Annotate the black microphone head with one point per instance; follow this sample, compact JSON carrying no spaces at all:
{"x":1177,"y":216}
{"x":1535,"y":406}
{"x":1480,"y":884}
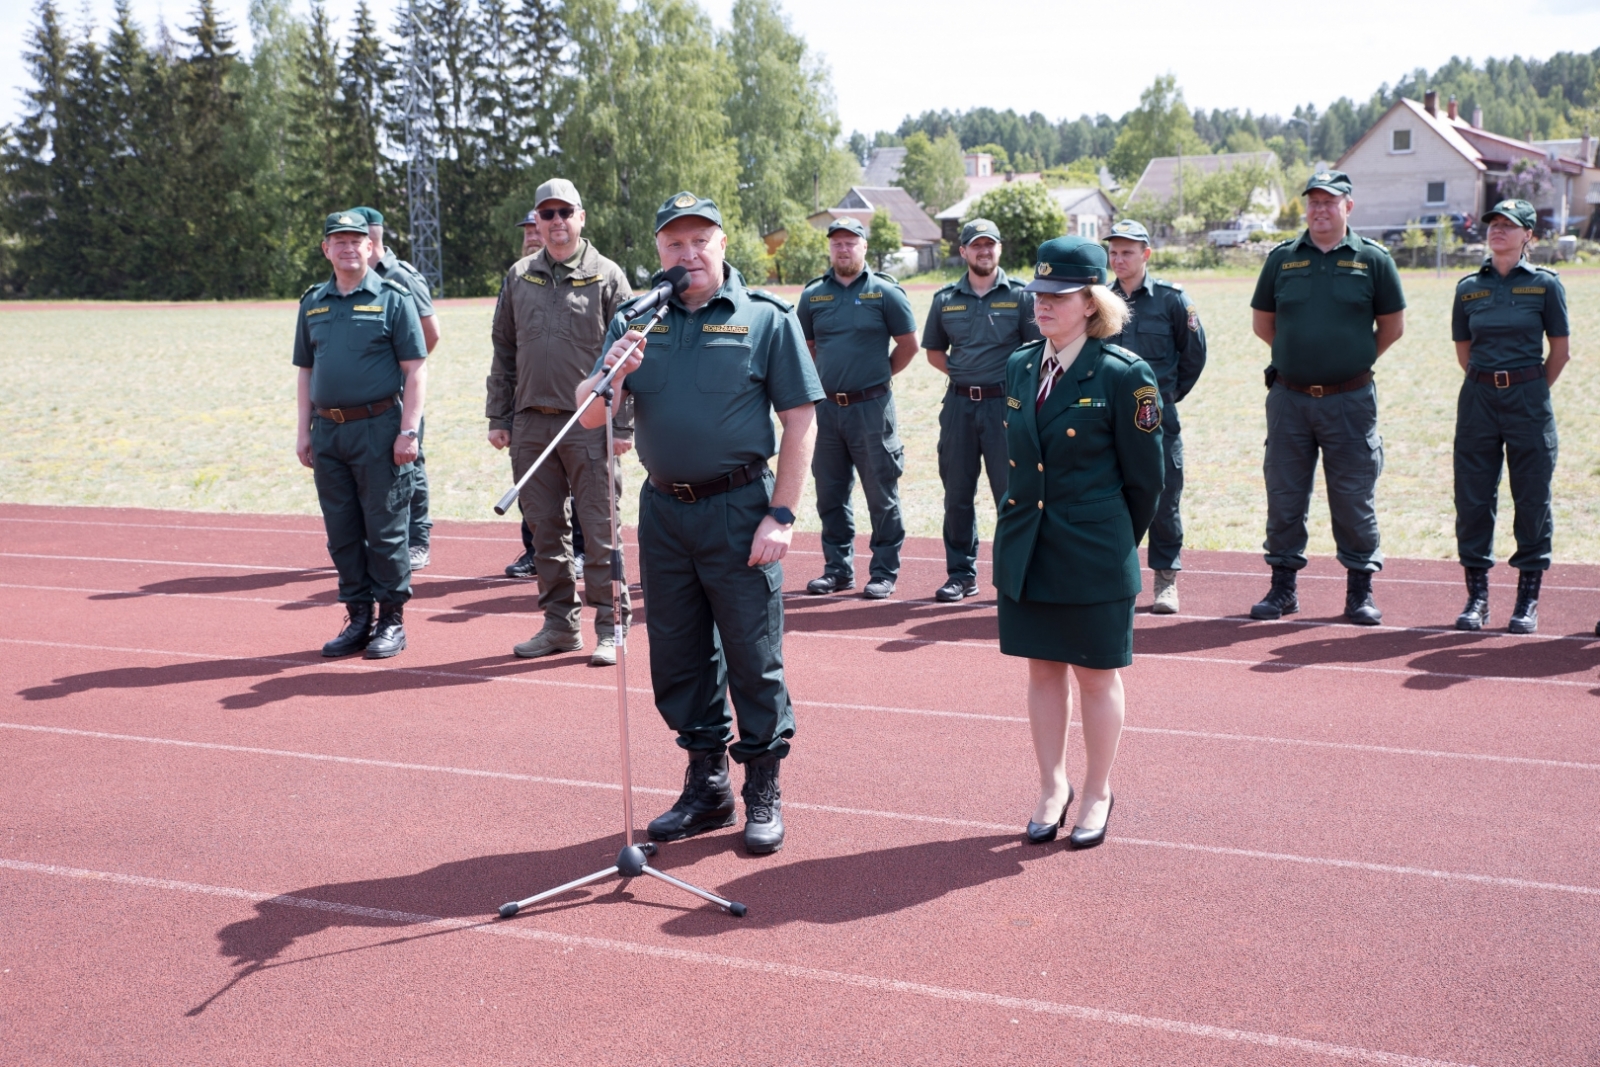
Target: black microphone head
{"x":678,"y":278}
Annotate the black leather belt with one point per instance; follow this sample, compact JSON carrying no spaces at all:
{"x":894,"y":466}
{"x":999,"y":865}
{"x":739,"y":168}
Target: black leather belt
{"x":844,"y":400}
{"x":360,"y":411}
{"x":732,"y":480}
{"x":979,"y":392}
{"x":1505,"y":379}
{"x":1360,"y":381}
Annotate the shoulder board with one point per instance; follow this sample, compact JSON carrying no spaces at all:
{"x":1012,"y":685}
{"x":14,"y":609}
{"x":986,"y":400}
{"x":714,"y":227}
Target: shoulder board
{"x":1539,"y":269}
{"x":771,"y":298}
{"x":1466,"y":278}
{"x":399,"y":287}
{"x":1028,"y":348}
{"x":1121,"y":353}
{"x":886,"y":276}
{"x":811,"y":282}
{"x":950,"y":287}
{"x":1167,"y":285}
{"x":628,"y":303}
{"x":1376,"y":245}
{"x":310,"y":287}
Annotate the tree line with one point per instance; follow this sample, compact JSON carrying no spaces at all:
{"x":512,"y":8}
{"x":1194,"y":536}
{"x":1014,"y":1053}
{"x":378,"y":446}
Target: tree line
{"x":165,"y":164}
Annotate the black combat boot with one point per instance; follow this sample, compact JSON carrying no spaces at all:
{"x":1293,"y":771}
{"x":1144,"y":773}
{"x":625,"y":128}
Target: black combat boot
{"x":389,"y":637}
{"x":1280,"y":599}
{"x":1525,"y":617}
{"x":1358,"y":605}
{"x":763,"y":805}
{"x":1475,"y":616}
{"x":706,"y":802}
{"x":356,"y":633}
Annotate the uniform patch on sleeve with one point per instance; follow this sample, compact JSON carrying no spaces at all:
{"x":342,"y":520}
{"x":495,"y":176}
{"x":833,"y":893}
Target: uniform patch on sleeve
{"x":318,"y":311}
{"x":1528,"y":290}
{"x":1296,"y":264}
{"x":1147,"y":413}
{"x":367,"y":307}
{"x":1194,"y":319}
{"x":714,"y":328}
{"x":1478,"y":294}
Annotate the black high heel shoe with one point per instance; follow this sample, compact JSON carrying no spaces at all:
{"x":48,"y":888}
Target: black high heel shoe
{"x":1081,"y":838}
{"x":1040,"y":833}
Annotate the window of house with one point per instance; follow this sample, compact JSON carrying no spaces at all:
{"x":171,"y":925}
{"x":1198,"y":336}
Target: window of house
{"x":1435,"y":193}
{"x":1089,"y":227}
{"x":1400,"y":141}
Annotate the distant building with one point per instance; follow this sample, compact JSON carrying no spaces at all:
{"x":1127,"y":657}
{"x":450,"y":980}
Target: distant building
{"x":1089,"y":211}
{"x":883,"y":167}
{"x":919,"y":234}
{"x":1159,"y":185}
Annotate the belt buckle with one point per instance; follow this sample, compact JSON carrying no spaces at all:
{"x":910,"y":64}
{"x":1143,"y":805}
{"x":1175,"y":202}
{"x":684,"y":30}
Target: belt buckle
{"x":842,"y":399}
{"x":974,"y":392}
{"x":679,"y":489}
{"x":1502,"y":379}
{"x":1316,"y":391}
{"x":336,"y":414}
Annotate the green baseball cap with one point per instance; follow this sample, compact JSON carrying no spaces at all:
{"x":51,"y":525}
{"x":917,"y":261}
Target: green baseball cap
{"x":683,"y":205}
{"x":848,"y":224}
{"x":1129,"y":230}
{"x":345,"y":222}
{"x":1518,"y":211}
{"x":979,"y":228}
{"x":373,"y":216}
{"x":557,"y":189}
{"x":1067,"y":264}
{"x":1332,"y":181}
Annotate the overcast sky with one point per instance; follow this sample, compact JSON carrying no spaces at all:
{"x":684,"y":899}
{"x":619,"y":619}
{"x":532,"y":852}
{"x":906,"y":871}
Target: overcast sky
{"x":1061,"y":58}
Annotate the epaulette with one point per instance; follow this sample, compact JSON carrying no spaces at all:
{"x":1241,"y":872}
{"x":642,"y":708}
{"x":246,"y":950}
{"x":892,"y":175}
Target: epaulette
{"x":947,"y":287}
{"x":1121,"y":353}
{"x":399,"y":287}
{"x":1469,"y":277}
{"x":886,"y":276}
{"x":1285,"y":243}
{"x":310,"y":287}
{"x":809,"y":284}
{"x":771,"y":298}
{"x":1166,"y":284}
{"x":1023,"y":348}
{"x":1540,"y":268}
{"x":1379,"y":245}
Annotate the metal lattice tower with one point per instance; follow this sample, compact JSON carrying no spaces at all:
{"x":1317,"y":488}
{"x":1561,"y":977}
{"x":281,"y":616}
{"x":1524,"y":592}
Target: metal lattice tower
{"x":422,"y":173}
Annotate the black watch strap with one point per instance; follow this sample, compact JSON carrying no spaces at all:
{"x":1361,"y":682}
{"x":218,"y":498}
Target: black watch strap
{"x":784,"y":516}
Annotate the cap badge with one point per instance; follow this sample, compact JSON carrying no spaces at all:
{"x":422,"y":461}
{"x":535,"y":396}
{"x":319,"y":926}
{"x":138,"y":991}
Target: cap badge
{"x":1043,"y":269}
{"x":686,"y":200}
{"x":1324,"y":176}
{"x":346,"y":220}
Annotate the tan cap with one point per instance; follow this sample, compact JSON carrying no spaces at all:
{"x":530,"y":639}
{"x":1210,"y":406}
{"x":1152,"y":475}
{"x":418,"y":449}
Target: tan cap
{"x":558,"y":189}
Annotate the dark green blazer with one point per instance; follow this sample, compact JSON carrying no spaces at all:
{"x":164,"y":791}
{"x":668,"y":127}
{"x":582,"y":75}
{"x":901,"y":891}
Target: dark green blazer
{"x":1085,"y":474}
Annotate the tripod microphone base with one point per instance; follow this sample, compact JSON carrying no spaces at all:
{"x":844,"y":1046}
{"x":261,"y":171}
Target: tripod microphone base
{"x":631,"y":863}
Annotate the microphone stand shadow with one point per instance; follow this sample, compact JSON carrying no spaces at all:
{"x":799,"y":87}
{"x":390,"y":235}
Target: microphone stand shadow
{"x":633,"y":860}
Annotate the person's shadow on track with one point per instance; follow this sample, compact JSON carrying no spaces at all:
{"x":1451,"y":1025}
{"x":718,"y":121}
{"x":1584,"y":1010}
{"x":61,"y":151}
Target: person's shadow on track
{"x":1446,"y":659}
{"x":222,"y":583}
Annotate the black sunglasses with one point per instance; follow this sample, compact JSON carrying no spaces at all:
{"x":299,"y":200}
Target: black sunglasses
{"x":548,"y":213}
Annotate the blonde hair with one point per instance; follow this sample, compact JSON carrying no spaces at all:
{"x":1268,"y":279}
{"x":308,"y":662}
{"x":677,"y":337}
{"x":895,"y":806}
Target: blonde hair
{"x":1111,"y":313}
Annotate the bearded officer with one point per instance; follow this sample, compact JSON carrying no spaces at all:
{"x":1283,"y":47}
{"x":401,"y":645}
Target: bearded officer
{"x":850,"y":317}
{"x":1165,"y":332}
{"x":714,"y":521}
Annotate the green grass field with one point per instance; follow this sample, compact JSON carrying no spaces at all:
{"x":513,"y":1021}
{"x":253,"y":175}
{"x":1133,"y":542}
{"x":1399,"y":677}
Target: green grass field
{"x":190,"y":407}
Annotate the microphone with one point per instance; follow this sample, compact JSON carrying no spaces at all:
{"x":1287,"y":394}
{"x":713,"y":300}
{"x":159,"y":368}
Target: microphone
{"x":673,"y":283}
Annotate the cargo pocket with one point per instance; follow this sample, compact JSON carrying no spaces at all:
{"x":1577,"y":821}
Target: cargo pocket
{"x":1375,"y":445}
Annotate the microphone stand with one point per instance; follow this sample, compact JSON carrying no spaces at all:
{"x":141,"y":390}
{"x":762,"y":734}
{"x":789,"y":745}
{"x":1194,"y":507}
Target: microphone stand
{"x":632,"y":861}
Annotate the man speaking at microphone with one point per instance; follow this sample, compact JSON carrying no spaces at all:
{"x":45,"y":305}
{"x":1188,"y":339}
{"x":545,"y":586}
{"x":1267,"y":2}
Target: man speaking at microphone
{"x":714,"y":520}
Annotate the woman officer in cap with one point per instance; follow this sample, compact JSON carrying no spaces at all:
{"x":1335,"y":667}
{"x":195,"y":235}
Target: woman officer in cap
{"x":1083,"y":433}
{"x":1501,"y":317}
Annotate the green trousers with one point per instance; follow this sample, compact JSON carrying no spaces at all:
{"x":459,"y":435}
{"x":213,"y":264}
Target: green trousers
{"x":366,"y":506}
{"x":715,"y":622}
{"x":1513,"y":429}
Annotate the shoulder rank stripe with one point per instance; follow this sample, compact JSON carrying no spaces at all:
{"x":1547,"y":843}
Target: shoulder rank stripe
{"x":1295,"y":264}
{"x":1476,"y":294}
{"x":872,"y":296}
{"x":1529,"y":290}
{"x":954,"y":307}
{"x":1004,"y":304}
{"x":367,"y":307}
{"x":822,"y":298}
{"x":318,"y":311}
{"x":1356,"y":263}
{"x":534,"y":278}
{"x":713,"y":328}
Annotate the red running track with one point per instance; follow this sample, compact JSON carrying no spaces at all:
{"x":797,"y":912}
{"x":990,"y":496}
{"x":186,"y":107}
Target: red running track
{"x":1332,"y":844}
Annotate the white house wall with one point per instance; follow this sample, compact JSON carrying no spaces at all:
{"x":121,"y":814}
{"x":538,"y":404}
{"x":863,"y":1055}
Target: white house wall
{"x":1391,"y":188}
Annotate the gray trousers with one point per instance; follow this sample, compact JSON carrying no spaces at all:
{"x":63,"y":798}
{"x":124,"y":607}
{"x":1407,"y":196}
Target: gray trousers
{"x":971,"y":432}
{"x":859,"y":437}
{"x":578,"y":469}
{"x":365,"y":506}
{"x":1344,"y":428}
{"x":1519,"y":425}
{"x":421,"y":527}
{"x":1166,"y":529}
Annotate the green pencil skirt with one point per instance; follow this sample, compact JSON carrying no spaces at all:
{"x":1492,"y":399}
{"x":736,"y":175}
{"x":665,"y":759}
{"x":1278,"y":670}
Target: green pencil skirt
{"x":1097,"y":636}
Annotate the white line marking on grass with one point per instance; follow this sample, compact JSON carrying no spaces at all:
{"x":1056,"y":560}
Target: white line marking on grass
{"x":831,"y":809}
{"x":873,"y":983}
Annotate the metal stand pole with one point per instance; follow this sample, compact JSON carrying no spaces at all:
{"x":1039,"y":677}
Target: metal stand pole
{"x":632,"y":860}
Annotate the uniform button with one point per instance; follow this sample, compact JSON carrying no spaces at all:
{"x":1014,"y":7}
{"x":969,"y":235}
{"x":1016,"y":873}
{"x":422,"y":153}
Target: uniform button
{"x":1013,"y":463}
{"x":1071,"y":432}
{"x":1010,"y":501}
{"x":1041,"y":505}
{"x":1041,"y":466}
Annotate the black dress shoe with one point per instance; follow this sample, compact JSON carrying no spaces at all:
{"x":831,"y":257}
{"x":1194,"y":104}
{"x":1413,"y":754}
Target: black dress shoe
{"x":878,"y":589}
{"x":1040,"y":833}
{"x":956,"y":589}
{"x":705,"y":804}
{"x":763,"y":806}
{"x":1081,"y":838}
{"x":389,"y":636}
{"x":828,"y":583}
{"x":356,"y":633}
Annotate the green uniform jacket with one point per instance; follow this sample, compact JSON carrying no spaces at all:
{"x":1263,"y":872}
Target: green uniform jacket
{"x":1085,"y":476}
{"x":1507,"y":319}
{"x":979,"y":333}
{"x":853,"y":327}
{"x":354,"y":344}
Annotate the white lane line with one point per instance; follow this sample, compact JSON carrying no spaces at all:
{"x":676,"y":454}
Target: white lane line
{"x":737,"y":963}
{"x":831,"y":809}
{"x":289,"y":661}
{"x":166,"y":562}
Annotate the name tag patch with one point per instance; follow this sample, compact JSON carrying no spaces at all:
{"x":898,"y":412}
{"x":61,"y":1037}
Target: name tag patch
{"x":822,"y":298}
{"x":1004,"y":304}
{"x":367,"y":307}
{"x":534,"y":278}
{"x":318,"y":311}
{"x":1529,"y":290}
{"x":872,"y":296}
{"x":1478,"y":294}
{"x":1353,"y":263}
{"x":710,"y":328}
{"x":954,"y":307}
{"x":659,"y":327}
{"x":579,"y":283}
{"x":1296,"y":264}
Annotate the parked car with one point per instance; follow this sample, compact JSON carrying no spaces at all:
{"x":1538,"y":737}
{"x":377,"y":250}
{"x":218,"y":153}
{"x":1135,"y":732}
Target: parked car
{"x":1463,"y":226}
{"x":1227,"y":238}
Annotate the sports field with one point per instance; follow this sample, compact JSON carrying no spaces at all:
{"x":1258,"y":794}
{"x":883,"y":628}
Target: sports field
{"x":190,"y":407}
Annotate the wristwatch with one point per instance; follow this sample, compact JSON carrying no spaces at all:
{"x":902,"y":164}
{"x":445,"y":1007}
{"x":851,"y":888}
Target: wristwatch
{"x":409,"y":433}
{"x":784,"y":516}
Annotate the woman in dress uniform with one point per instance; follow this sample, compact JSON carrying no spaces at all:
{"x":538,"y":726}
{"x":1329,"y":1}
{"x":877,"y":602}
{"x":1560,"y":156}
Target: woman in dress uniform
{"x":1083,"y":433}
{"x":1501,"y":316}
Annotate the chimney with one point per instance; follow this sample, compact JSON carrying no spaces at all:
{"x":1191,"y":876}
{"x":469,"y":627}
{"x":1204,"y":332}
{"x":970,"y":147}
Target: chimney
{"x":1586,"y":152}
{"x":1454,"y":112}
{"x":1430,"y":101}
{"x":1529,"y":138}
{"x":1477,"y":118}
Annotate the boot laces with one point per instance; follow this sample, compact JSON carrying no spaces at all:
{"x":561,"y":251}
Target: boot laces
{"x":761,"y":793}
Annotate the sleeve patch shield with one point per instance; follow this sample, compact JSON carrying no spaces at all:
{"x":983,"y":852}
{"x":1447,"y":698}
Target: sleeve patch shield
{"x":1147,"y":412}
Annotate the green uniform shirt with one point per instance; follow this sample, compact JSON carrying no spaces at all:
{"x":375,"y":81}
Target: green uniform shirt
{"x":1507,"y":319}
{"x":392,"y":266}
{"x":355,"y":344}
{"x":979,"y":333}
{"x":710,"y":380}
{"x":1165,"y":332}
{"x":1327,"y":304}
{"x":853,"y":326}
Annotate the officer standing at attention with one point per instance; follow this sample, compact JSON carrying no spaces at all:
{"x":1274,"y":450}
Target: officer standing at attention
{"x":1502,"y":314}
{"x":850,"y":316}
{"x":1329,"y":303}
{"x":548,"y":325}
{"x":714,"y":522}
{"x":973,"y":327}
{"x":1165,"y":332}
{"x":359,"y":346}
{"x":390,"y":266}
